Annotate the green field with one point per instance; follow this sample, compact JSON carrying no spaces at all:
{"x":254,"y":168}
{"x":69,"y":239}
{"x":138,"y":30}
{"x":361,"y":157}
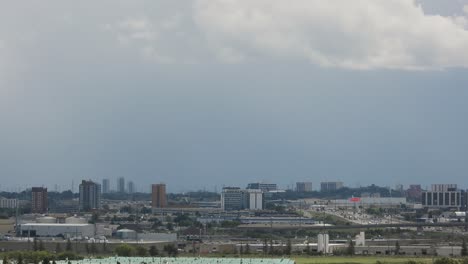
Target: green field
{"x":358,"y":260}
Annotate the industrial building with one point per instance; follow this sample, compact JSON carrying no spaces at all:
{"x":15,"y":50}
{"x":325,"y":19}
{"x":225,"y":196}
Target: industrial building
{"x":56,"y":230}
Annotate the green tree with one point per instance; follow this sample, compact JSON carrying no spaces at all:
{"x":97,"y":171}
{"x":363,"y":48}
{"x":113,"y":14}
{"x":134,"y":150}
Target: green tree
{"x":288,"y":247}
{"x":141,"y":251}
{"x":153,"y":251}
{"x":58,"y":248}
{"x":171,"y":250}
{"x":265,"y":246}
{"x":35,"y":246}
{"x":41,"y":245}
{"x":104,"y":247}
{"x":271,"y":251}
{"x":5,"y":259}
{"x":464,"y":250}
{"x":69,"y":245}
{"x":308,"y":251}
{"x":247,"y":249}
{"x":125,"y":250}
{"x":19,"y":260}
{"x":94,"y":249}
{"x":46,"y":261}
{"x":350,"y":249}
{"x":397,"y":248}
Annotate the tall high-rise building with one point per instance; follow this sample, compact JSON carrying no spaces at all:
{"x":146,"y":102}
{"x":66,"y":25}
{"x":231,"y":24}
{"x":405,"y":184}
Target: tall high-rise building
{"x":90,"y":196}
{"x":105,"y":186}
{"x":158,"y":196}
{"x":121,"y":185}
{"x":39,"y":203}
{"x":303,"y":186}
{"x":330,"y":186}
{"x":130,"y":187}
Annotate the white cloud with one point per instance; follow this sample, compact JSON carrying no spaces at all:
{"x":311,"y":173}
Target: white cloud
{"x":465,"y":9}
{"x":360,"y":34}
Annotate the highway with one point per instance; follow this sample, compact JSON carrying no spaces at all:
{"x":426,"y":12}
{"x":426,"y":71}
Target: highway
{"x":353,"y":226}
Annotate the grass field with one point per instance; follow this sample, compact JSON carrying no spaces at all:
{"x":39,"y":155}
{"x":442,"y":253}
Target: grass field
{"x":358,"y":260}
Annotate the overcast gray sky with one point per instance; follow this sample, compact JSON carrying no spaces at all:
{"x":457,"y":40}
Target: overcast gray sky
{"x":205,"y":93}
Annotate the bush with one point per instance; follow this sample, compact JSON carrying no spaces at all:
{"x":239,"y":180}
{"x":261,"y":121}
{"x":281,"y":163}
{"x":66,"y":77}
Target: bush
{"x":141,"y":251}
{"x":69,"y":255}
{"x":125,"y":250}
{"x":445,"y":261}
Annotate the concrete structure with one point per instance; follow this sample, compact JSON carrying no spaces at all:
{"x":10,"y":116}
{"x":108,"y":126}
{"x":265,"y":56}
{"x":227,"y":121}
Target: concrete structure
{"x":303,"y":186}
{"x":90,"y":196}
{"x":39,"y":200}
{"x":54,"y":230}
{"x":361,"y":239}
{"x":254,"y":199}
{"x":330,"y":186}
{"x":323,"y":243}
{"x":105,"y":186}
{"x":130,"y":187}
{"x":158,"y":196}
{"x":8,"y":203}
{"x":265,"y":187}
{"x":121,"y":185}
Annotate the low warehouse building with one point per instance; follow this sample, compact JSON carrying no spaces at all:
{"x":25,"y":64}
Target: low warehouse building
{"x":55,"y":230}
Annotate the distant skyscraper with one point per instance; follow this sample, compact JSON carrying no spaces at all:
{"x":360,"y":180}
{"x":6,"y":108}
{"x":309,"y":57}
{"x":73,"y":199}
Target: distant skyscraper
{"x":303,"y":186}
{"x":39,"y":203}
{"x":90,"y":196}
{"x":121,"y":185}
{"x":158,"y":195}
{"x":105,"y":186}
{"x":330,"y":186}
{"x":130,"y":187}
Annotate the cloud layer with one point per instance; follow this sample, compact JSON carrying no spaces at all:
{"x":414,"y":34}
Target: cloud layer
{"x":362,"y":34}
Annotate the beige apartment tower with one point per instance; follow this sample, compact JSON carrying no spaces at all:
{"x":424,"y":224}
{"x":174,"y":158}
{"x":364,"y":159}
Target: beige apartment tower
{"x":158,"y":196}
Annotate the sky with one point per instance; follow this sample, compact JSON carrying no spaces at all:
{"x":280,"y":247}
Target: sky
{"x":201,"y":94}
